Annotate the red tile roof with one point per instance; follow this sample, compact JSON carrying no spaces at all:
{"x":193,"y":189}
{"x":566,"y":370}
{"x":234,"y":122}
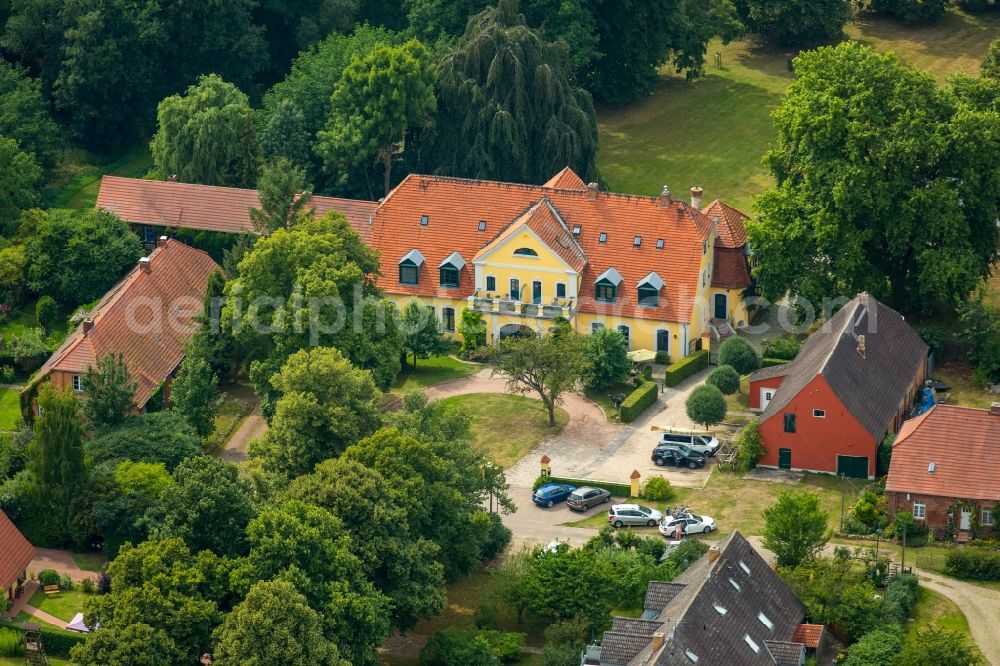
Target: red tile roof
{"x":808,"y":634}
{"x":205,"y":207}
{"x":732,"y":228}
{"x":148,"y":317}
{"x":543,"y":220}
{"x":454,"y":207}
{"x":566,"y":180}
{"x":16,"y":552}
{"x":731,"y":270}
{"x":964,"y":445}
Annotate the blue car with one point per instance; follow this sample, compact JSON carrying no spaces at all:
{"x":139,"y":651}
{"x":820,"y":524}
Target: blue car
{"x":551,"y":493}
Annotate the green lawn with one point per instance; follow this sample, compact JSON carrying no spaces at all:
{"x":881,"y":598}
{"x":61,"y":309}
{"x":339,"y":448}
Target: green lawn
{"x":714,"y":131}
{"x":737,"y":503}
{"x":965,"y":390}
{"x":240,"y":401}
{"x":600,"y":396}
{"x":89,"y":561}
{"x":75,"y":181}
{"x":64,"y":605}
{"x":10,"y":408}
{"x":505,"y":427}
{"x":26,"y":321}
{"x":934,"y":610}
{"x":433,"y":370}
{"x":19,"y":661}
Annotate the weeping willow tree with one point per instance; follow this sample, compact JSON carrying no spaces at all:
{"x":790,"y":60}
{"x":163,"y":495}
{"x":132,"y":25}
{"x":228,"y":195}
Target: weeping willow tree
{"x":507,"y":109}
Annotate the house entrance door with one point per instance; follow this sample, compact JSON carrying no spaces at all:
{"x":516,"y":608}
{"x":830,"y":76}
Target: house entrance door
{"x":965,"y":522}
{"x":765,"y":397}
{"x":720,"y":306}
{"x":784,"y":458}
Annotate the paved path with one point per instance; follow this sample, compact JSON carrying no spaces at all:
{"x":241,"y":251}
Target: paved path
{"x":43,"y":616}
{"x":251,"y":427}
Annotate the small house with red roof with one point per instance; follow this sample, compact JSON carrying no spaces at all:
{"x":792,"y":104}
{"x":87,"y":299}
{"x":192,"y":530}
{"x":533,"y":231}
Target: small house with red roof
{"x":148,"y":317}
{"x":945,"y":468}
{"x":16,"y":554}
{"x":670,"y":276}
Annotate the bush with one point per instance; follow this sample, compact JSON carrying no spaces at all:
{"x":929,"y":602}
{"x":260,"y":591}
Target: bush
{"x":7,"y":375}
{"x":564,"y":641}
{"x":87,"y":585}
{"x":47,"y":312}
{"x":496,"y":540}
{"x":486,"y":617}
{"x":662,"y":358}
{"x":749,"y":447}
{"x":786,"y":347}
{"x":706,"y":405}
{"x":685,"y":367}
{"x":28,"y":350}
{"x":48,"y":577}
{"x":637,"y":401}
{"x":900,"y":598}
{"x":616,"y":489}
{"x":57,"y":642}
{"x":11,"y":642}
{"x":657,"y":489}
{"x":912,"y":11}
{"x":973,"y":564}
{"x":725,"y":378}
{"x":608,"y":353}
{"x":739,"y":353}
{"x":875,"y":647}
{"x":463,"y":647}
{"x":65,"y":582}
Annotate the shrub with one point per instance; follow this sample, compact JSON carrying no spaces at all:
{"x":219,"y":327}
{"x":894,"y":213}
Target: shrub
{"x":770,"y":362}
{"x":564,"y":641}
{"x":875,"y":647}
{"x":616,"y":489}
{"x":47,"y":312}
{"x":739,"y":353}
{"x":973,"y":563}
{"x":65,"y":582}
{"x":87,"y":585}
{"x":57,"y":642}
{"x":48,"y":577}
{"x":647,"y":373}
{"x":608,"y":352}
{"x":706,"y":405}
{"x":28,"y":350}
{"x":11,"y":644}
{"x":900,"y":598}
{"x":497,"y":538}
{"x":685,"y":367}
{"x":637,"y":401}
{"x":7,"y":375}
{"x":662,"y":358}
{"x":486,"y":617}
{"x":938,"y":647}
{"x":749,"y":447}
{"x":912,"y":11}
{"x":786,"y":347}
{"x":657,"y":489}
{"x":461,"y":647}
{"x":726,"y":379}
{"x":103,"y":583}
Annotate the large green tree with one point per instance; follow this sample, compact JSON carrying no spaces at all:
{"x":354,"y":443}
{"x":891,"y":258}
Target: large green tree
{"x":294,"y":25}
{"x":547,"y":366}
{"x":24,"y":114}
{"x":608,"y":351}
{"x":507,"y":107}
{"x":796,"y":22}
{"x":207,"y":136}
{"x":76,"y":256}
{"x":20,"y":176}
{"x":324,"y":404}
{"x":306,"y":286}
{"x":208,"y":506}
{"x":795,"y":528}
{"x":422,"y":332}
{"x":885,"y":183}
{"x":706,"y":405}
{"x":109,"y":391}
{"x":274,"y":626}
{"x":56,"y":461}
{"x":157,"y":437}
{"x":195,"y":394}
{"x":990,"y":64}
{"x":378,"y":102}
{"x":283,"y":196}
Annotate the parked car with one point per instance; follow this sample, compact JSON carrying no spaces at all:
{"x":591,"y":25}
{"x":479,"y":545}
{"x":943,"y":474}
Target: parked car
{"x":693,"y":524}
{"x":679,"y":456}
{"x":703,"y":444}
{"x":585,"y":497}
{"x":552,"y":493}
{"x":621,"y":515}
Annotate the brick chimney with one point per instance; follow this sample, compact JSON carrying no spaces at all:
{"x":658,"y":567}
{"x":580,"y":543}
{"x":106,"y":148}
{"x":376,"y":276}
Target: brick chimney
{"x":696,"y":197}
{"x":665,"y":197}
{"x":713,"y":554}
{"x":995,"y":409}
{"x":658,"y":638}
{"x":592,"y":191}
{"x":146,"y":264}
{"x":162,"y":241}
{"x":88,"y":325}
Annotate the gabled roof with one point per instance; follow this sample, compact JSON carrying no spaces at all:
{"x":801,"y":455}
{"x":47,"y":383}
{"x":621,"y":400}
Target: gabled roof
{"x":732,"y":227}
{"x":933,"y":437}
{"x":809,"y":635}
{"x":455,"y":206}
{"x":566,"y":180}
{"x":771,"y":371}
{"x":413,"y":256}
{"x":206,"y":207}
{"x":731,"y":269}
{"x":148,"y":317}
{"x":543,"y":220}
{"x":785,"y":653}
{"x":871,"y":386}
{"x":618,"y":649}
{"x":16,"y":552}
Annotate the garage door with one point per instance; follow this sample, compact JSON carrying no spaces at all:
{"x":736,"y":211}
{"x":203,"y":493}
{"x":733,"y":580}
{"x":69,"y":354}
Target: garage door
{"x":855,"y":467}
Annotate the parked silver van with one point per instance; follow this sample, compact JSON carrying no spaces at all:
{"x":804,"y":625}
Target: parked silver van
{"x":705,"y":444}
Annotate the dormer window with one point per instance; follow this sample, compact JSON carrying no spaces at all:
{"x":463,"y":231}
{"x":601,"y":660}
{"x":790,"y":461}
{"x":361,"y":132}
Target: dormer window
{"x":649,"y":290}
{"x":450,"y":269}
{"x":525,"y":252}
{"x":424,"y":220}
{"x":602,"y":237}
{"x":409,"y":267}
{"x":606,"y":286}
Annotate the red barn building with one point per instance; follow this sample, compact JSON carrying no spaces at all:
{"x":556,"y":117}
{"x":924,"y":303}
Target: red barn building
{"x":852,"y":383}
{"x":931,"y":479}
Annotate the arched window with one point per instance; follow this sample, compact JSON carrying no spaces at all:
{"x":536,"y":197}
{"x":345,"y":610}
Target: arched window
{"x":525,"y":252}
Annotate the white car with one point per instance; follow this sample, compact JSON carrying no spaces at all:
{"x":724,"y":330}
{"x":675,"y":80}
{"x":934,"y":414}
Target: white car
{"x":703,"y":444}
{"x":622,"y":515}
{"x":693,"y":524}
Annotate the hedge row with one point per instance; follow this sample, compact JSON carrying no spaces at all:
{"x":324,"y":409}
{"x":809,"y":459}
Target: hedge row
{"x":973,"y":563}
{"x":685,"y":367}
{"x":617,"y":489}
{"x":768,"y":362}
{"x":57,"y":642}
{"x":637,"y":401}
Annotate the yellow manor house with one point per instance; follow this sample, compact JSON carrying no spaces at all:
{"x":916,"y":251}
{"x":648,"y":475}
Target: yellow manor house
{"x":669,"y":274}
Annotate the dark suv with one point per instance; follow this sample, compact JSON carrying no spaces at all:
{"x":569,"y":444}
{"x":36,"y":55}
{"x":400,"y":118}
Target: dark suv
{"x":679,"y":456}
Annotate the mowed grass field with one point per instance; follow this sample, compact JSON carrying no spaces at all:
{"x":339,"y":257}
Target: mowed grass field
{"x":714,"y":131}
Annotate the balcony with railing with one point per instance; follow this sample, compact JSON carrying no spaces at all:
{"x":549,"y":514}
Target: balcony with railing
{"x":496,"y":303}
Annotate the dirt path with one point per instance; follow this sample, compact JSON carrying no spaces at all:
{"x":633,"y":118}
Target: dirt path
{"x":253,"y":425}
{"x":981,"y":606}
{"x":61,"y":562}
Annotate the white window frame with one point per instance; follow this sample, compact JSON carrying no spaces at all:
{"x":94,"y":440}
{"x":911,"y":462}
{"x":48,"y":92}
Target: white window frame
{"x":920,"y":514}
{"x":819,"y":413}
{"x":78,"y":383}
{"x":746,"y":569}
{"x":692,"y":656}
{"x":985,"y":517}
{"x":721,"y":610}
{"x":749,"y":641}
{"x":765,"y":620}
